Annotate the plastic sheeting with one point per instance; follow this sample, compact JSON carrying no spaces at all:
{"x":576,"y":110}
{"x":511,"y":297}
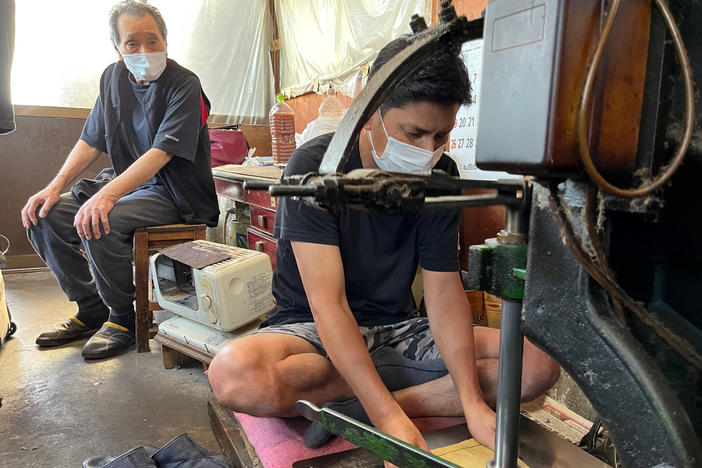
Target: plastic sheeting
{"x":227,"y":44}
{"x":328,"y":42}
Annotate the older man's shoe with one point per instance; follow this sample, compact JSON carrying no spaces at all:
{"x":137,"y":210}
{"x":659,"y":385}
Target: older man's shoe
{"x":68,"y":331}
{"x":110,"y":340}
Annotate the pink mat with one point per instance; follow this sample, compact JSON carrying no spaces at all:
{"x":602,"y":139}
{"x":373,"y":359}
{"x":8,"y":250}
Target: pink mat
{"x":278,"y":441}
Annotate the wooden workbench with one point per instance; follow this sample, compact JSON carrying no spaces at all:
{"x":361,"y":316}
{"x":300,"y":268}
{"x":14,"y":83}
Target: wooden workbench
{"x":229,"y":182}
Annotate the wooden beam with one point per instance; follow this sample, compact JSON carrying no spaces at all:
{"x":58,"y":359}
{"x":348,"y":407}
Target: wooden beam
{"x":52,"y":111}
{"x":275,"y":48}
{"x":231,"y":437}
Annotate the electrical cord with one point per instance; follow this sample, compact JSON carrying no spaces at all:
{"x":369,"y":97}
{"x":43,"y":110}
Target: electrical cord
{"x":7,"y":241}
{"x":3,"y":260}
{"x":600,"y":271}
{"x":600,"y":257}
{"x":689,"y":119}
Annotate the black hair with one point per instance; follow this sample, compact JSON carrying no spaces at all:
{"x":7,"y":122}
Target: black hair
{"x":443,"y":79}
{"x":133,"y":8}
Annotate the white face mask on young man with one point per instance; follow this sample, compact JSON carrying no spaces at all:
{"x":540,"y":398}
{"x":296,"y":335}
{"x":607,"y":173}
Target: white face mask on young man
{"x":403,"y":157}
{"x":146,"y":67}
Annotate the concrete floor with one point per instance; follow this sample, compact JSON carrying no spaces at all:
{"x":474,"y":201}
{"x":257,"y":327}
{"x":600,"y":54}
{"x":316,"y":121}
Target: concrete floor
{"x":58,"y":409}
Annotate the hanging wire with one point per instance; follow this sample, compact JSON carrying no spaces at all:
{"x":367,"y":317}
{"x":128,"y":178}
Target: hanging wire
{"x":600,"y":258}
{"x":581,"y":122}
{"x":4,"y":251}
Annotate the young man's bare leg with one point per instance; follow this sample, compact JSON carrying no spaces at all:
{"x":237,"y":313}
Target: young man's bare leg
{"x":539,"y":371}
{"x":432,"y":393}
{"x":422,"y":389}
{"x":266,"y":373}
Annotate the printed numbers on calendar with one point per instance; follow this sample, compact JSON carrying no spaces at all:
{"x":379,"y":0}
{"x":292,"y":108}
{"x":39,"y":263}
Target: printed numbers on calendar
{"x":463,"y":122}
{"x":460,"y":143}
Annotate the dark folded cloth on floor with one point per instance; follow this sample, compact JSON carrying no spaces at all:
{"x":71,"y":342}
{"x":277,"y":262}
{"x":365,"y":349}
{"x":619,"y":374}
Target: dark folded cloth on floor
{"x":181,"y":452}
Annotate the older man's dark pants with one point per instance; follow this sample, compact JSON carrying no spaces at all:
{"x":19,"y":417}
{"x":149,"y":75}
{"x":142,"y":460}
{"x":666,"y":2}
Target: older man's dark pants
{"x":105,"y":270}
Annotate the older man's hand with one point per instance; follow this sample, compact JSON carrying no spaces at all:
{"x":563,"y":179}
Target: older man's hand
{"x":92,"y":214}
{"x":46,"y":198}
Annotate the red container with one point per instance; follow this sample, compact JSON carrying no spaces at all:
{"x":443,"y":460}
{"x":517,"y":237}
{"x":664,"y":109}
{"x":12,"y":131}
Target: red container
{"x":228,"y":146}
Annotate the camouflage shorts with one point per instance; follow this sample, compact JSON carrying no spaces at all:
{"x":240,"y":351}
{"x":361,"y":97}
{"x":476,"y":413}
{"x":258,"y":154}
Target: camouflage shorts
{"x":412,"y":337}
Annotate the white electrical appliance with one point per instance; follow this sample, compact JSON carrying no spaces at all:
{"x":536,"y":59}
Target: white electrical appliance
{"x":224,"y":295}
{"x":196,"y":335}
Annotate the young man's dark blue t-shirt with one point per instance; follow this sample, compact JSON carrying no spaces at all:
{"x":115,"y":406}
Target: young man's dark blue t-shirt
{"x":380,"y":252}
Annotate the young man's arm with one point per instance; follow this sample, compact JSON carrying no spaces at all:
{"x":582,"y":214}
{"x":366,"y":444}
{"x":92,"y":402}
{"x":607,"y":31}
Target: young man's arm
{"x":81,"y":156}
{"x":451,"y":324}
{"x":95,"y":210}
{"x":322,"y":274}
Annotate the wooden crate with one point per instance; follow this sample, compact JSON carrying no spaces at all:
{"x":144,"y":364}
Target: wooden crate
{"x":485,"y":308}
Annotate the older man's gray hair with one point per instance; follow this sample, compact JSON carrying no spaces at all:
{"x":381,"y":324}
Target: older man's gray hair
{"x":137,"y":9}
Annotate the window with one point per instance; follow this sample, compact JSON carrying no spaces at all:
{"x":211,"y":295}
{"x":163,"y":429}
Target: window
{"x":61,"y":49}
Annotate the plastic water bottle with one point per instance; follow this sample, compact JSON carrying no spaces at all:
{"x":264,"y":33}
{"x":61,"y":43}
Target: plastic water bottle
{"x":331,"y":111}
{"x":282,"y":121}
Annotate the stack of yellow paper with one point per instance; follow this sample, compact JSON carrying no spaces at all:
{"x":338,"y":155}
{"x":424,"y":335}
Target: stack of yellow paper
{"x":469,"y":454}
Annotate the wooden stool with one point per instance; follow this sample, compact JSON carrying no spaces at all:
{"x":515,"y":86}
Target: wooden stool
{"x":146,"y":239}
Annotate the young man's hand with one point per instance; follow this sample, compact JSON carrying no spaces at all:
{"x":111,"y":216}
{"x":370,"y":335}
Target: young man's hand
{"x":482,"y":421}
{"x":400,"y":426}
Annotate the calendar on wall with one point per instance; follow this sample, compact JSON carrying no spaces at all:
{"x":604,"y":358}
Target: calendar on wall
{"x":463,"y":137}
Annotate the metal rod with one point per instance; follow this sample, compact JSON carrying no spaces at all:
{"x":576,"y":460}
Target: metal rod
{"x":509,"y":378}
{"x":516,"y":219}
{"x":466,"y":201}
{"x":501,"y":184}
{"x":292,"y":190}
{"x":256,"y":185}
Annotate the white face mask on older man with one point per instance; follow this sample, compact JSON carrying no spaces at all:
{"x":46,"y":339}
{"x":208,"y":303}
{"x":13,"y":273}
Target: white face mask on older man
{"x":146,"y":67}
{"x":402,"y":157}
